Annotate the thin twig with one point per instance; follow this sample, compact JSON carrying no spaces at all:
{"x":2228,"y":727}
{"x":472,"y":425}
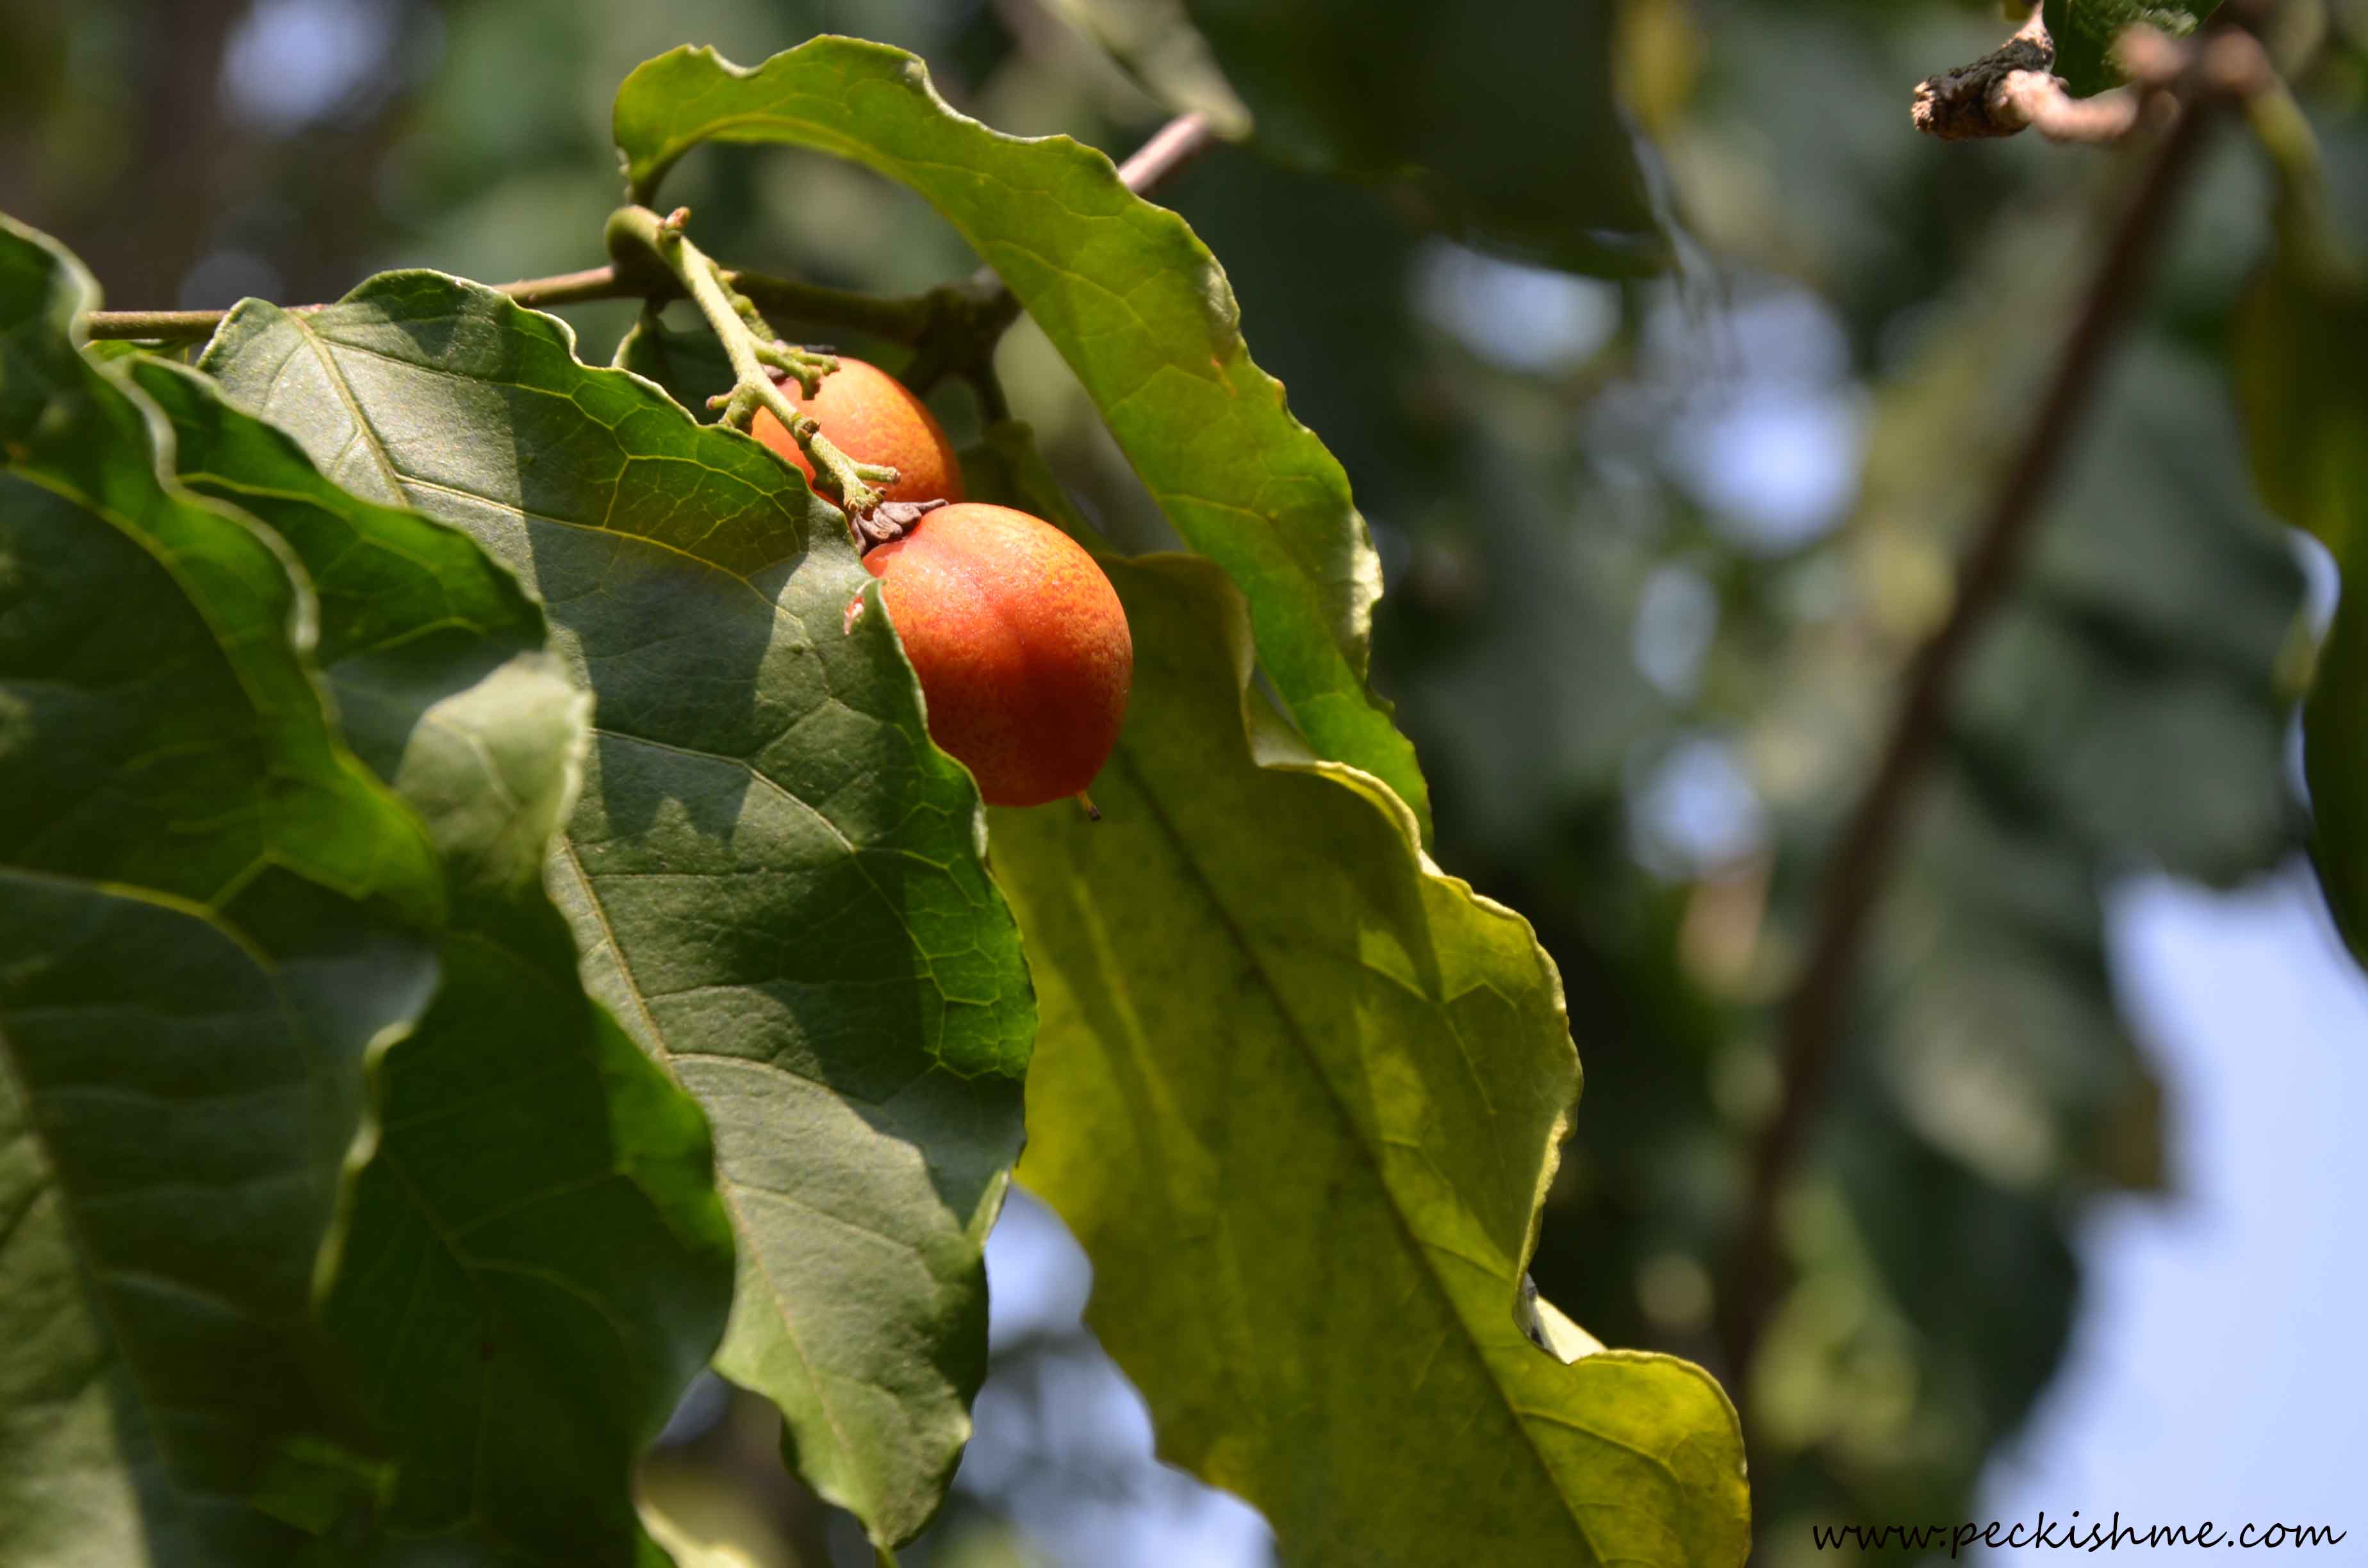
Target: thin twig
{"x":1860,"y":869}
{"x":638,"y":238}
{"x":156,"y":326}
{"x":1172,"y":146}
{"x":2014,"y":89}
{"x":902,"y":318}
{"x":563,"y":288}
{"x":567,"y":288}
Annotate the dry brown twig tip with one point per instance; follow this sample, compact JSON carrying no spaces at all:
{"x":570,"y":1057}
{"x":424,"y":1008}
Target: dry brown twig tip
{"x":2014,"y":89}
{"x":1964,"y":105}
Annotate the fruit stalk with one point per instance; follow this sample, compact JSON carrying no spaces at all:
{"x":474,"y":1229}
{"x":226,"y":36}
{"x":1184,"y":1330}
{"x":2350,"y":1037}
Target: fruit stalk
{"x":754,"y":352}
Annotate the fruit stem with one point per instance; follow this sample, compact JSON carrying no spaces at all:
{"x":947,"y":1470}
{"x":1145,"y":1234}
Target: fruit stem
{"x":636,"y":233}
{"x":972,"y":315}
{"x":890,"y":522}
{"x":1093,"y":811}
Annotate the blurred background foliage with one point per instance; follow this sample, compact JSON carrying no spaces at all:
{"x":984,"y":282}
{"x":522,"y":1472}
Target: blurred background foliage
{"x":1669,"y":412}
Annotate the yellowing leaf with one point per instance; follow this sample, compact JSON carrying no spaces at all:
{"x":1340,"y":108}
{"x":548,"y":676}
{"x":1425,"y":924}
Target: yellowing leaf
{"x":1298,"y":1094}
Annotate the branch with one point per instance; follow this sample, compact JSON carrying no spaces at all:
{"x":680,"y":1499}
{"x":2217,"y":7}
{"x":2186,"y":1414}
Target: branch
{"x":563,"y":288}
{"x":2014,"y":89}
{"x":642,"y":242}
{"x":899,"y":318}
{"x":1955,"y":104}
{"x":1171,"y":147}
{"x":902,"y":318}
{"x":1855,"y":877}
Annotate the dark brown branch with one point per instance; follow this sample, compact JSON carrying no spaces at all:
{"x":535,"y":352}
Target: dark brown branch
{"x":1860,"y":869}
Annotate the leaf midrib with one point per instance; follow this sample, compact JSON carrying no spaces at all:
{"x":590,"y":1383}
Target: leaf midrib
{"x":1428,"y":1270}
{"x":727,"y":1188}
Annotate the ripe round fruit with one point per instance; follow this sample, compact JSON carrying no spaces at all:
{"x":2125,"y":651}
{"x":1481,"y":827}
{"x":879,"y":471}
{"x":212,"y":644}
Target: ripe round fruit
{"x":1020,"y":644}
{"x":873,"y":418}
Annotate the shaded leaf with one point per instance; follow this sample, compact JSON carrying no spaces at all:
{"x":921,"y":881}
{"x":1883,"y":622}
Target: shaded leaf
{"x":1138,"y":308}
{"x":2085,"y":32}
{"x":1298,"y":1094}
{"x":538,"y":1263}
{"x":691,"y":366}
{"x":776,"y":878}
{"x":211,"y":913}
{"x":1496,"y":123}
{"x":2300,"y":340}
{"x":2335,"y":763}
{"x":2301,"y":336}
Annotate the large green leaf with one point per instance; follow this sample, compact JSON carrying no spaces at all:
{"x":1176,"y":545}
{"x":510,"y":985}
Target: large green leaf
{"x":777,"y":878}
{"x":2300,"y":340}
{"x":1299,"y":1095}
{"x":211,"y":913}
{"x":538,"y":1263}
{"x":413,"y":615}
{"x":2335,"y":763}
{"x":1139,"y":309}
{"x":2085,"y":32}
{"x":1497,"y":122}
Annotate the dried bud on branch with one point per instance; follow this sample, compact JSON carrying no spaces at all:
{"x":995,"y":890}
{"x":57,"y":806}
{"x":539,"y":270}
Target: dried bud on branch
{"x":1984,"y":98}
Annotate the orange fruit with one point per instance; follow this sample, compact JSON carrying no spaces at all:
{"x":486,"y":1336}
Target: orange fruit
{"x":1020,"y":644}
{"x":873,"y":418}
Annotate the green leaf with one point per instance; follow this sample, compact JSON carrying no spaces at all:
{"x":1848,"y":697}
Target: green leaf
{"x":1495,"y":122}
{"x":2301,"y":336}
{"x":2085,"y":32}
{"x":412,"y":615}
{"x":777,"y":878}
{"x":210,"y":913}
{"x":2335,"y":765}
{"x":1138,"y":308}
{"x":1299,"y":1095}
{"x":538,"y":1261}
{"x":692,"y":367}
